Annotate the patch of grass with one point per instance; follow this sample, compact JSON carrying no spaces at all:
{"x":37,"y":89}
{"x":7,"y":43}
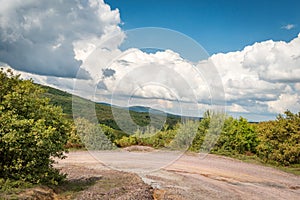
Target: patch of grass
{"x":69,"y":189}
{"x":12,"y":186}
{"x":9,"y":189}
{"x":293,"y":169}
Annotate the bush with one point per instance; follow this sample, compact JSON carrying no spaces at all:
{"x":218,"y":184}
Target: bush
{"x":93,"y":136}
{"x":74,"y":140}
{"x":127,"y":141}
{"x":222,"y":134}
{"x":237,"y":137}
{"x":280,"y":139}
{"x":32,"y":132}
{"x":184,"y":135}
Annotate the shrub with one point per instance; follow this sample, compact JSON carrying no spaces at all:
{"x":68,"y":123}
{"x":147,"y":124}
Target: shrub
{"x":184,"y":135}
{"x":93,"y":136}
{"x":32,"y":131}
{"x":280,"y":139}
{"x":222,"y":134}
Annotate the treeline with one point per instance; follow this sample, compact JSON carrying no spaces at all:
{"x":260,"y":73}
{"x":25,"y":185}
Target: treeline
{"x":276,"y":141}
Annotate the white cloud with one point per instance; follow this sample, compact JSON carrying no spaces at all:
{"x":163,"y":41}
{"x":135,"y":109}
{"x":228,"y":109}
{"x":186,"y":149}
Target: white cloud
{"x":151,"y":77}
{"x":288,"y":26}
{"x":284,"y":102}
{"x":236,"y":108}
{"x":160,"y":75}
{"x":56,"y":38}
{"x":262,"y":76}
{"x":39,"y":36}
{"x":275,"y":61}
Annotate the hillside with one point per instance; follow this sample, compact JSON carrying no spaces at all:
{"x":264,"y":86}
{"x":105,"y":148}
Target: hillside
{"x":139,"y":114}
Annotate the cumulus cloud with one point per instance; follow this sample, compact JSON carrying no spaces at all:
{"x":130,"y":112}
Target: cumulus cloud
{"x":160,"y":75}
{"x":284,"y":102}
{"x":53,"y":37}
{"x":275,"y":61}
{"x":78,"y":42}
{"x":262,"y":78}
{"x":288,"y":26}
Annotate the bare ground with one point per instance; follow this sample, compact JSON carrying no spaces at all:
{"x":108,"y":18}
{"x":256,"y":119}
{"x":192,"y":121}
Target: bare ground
{"x":190,"y":177}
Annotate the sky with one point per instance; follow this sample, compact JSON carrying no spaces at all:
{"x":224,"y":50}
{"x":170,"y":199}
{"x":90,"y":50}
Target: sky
{"x":218,"y":25}
{"x":242,"y":57}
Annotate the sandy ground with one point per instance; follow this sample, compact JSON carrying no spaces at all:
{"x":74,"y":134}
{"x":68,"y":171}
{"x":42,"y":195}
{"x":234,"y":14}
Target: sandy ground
{"x":189,"y":176}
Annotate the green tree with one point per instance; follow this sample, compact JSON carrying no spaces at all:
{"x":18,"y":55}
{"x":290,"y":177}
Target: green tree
{"x":32,"y":132}
{"x":94,"y":136}
{"x":222,"y":134}
{"x":238,"y":136}
{"x":184,"y":135}
{"x":280,"y":139}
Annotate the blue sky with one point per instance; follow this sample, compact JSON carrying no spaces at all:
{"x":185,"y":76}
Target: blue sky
{"x":219,"y":26}
{"x":254,"y":47}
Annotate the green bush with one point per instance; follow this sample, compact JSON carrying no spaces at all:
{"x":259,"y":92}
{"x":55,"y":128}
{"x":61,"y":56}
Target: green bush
{"x":93,"y":136}
{"x":184,"y":135}
{"x":148,"y":137}
{"x":280,"y":139}
{"x":209,"y":130}
{"x":126,"y":141}
{"x":237,"y":137}
{"x":222,"y":134}
{"x":32,"y":132}
{"x":74,"y":140}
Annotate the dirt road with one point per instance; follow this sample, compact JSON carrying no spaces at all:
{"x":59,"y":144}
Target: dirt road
{"x":192,"y":176}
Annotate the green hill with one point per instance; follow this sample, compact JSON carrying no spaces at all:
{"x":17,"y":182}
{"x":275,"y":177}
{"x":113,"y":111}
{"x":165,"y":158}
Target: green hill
{"x":104,"y":110}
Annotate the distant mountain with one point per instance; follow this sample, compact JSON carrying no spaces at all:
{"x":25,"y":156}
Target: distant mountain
{"x":139,"y":108}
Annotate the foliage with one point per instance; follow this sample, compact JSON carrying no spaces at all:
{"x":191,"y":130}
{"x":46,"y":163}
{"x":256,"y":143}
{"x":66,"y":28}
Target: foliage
{"x":8,"y":185}
{"x":222,"y":134}
{"x":126,"y":141}
{"x":74,"y":140}
{"x":103,"y":111}
{"x":238,"y":136}
{"x":280,"y":139}
{"x":92,"y":135}
{"x":149,"y":137}
{"x":32,"y":131}
{"x":184,"y":135}
{"x":273,"y":141}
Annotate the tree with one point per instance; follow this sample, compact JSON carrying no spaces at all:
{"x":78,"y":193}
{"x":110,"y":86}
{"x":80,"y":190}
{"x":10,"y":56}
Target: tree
{"x":94,"y":136}
{"x":280,"y":139}
{"x":32,"y":132}
{"x":184,"y":136}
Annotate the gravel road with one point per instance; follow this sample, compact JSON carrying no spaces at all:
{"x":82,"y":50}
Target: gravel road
{"x":192,"y":176}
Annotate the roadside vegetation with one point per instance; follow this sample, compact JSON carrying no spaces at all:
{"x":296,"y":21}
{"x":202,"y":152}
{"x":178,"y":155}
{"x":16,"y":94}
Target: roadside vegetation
{"x":36,"y":125}
{"x":274,"y":142}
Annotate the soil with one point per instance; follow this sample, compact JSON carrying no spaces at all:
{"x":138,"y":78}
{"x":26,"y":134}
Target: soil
{"x":189,"y":177}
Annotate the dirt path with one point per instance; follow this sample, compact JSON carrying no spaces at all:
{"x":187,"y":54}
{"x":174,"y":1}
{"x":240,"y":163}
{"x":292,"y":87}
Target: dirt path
{"x":191,"y":176}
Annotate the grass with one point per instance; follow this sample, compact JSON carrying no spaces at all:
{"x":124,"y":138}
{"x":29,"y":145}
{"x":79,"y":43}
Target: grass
{"x":69,"y":189}
{"x":10,"y":189}
{"x":293,"y":169}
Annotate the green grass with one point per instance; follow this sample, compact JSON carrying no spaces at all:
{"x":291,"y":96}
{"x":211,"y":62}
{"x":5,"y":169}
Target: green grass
{"x":12,"y":186}
{"x":69,"y":189}
{"x":253,"y":159}
{"x":10,"y":189}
